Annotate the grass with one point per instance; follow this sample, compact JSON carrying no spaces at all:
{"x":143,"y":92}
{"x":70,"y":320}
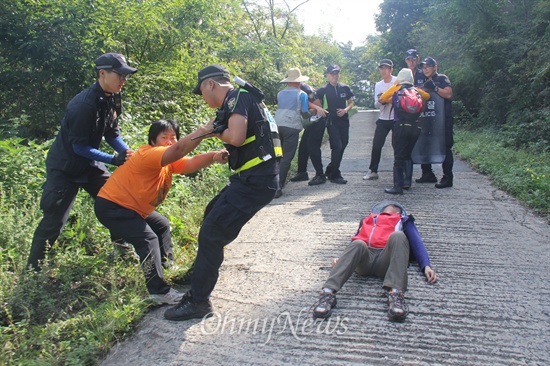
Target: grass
{"x":523,"y":174}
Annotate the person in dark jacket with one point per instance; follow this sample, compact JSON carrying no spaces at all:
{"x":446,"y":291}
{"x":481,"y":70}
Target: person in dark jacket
{"x":381,"y":247}
{"x":74,"y":160}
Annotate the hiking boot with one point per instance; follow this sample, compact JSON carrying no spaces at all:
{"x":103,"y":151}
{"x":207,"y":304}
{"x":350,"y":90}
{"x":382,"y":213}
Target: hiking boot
{"x":278,"y":193}
{"x":318,"y":179}
{"x":171,"y":297}
{"x":300,"y":177}
{"x":339,"y":180}
{"x":427,"y":178}
{"x":323,"y":307}
{"x":371,"y":176}
{"x":187,"y":309}
{"x":445,"y":182}
{"x":398,"y":308}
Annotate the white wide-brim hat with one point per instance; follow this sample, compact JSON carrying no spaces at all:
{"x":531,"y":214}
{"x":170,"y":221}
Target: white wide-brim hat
{"x":294,"y":76}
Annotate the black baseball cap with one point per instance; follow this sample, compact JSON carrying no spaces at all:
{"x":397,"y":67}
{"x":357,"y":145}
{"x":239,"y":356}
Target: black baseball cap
{"x":332,"y":68}
{"x":412,"y":53}
{"x":386,"y":62}
{"x":114,"y":61}
{"x":429,"y":61}
{"x":210,"y":72}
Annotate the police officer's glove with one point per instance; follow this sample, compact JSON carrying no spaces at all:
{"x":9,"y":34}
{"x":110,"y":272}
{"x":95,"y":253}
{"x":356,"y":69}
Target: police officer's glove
{"x":119,"y":158}
{"x":429,"y":85}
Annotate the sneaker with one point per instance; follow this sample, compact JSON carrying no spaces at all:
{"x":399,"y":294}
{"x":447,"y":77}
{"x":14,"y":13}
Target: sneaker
{"x":427,"y":178}
{"x":171,"y":297}
{"x":300,"y":177}
{"x":398,"y":308}
{"x":318,"y":179}
{"x":339,"y":180}
{"x":371,"y":176}
{"x":187,"y":309}
{"x":445,"y":182}
{"x":278,"y":193}
{"x":323,"y":307}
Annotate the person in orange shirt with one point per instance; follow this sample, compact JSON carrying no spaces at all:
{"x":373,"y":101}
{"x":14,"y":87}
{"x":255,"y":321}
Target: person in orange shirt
{"x":126,"y":203}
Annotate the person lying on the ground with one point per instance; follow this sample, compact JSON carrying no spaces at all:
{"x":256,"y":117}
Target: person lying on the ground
{"x":380,"y":248}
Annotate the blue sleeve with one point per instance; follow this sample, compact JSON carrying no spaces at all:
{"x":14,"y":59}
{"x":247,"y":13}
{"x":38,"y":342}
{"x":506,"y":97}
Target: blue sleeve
{"x":92,"y":154}
{"x":418,"y":249}
{"x":117,"y":143}
{"x":305,"y":102}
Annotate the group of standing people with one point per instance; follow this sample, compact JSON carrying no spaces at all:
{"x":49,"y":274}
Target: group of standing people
{"x":328,"y":108}
{"x":425,"y":80}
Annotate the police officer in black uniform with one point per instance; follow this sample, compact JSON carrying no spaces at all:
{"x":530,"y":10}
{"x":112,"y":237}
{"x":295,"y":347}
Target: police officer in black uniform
{"x":251,"y":137}
{"x":440,"y":84}
{"x":337,"y":99}
{"x":74,"y":160}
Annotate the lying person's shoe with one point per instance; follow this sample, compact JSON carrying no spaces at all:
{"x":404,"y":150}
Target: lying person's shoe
{"x":398,"y":308}
{"x":171,"y":297}
{"x":323,"y":307}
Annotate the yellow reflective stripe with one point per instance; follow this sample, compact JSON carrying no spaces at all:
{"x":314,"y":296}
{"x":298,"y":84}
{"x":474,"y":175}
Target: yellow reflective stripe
{"x":249,"y":164}
{"x":249,"y":140}
{"x":278,"y":151}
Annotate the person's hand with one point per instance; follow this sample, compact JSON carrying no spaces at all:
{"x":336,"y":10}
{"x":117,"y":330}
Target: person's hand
{"x":341,"y":112}
{"x":221,"y":156}
{"x":334,"y":261}
{"x":129,"y":153}
{"x":321,"y":112}
{"x":430,"y":274}
{"x":119,"y":158}
{"x":429,"y":85}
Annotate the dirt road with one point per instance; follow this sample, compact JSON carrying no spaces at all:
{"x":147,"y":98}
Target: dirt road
{"x":491,"y":305}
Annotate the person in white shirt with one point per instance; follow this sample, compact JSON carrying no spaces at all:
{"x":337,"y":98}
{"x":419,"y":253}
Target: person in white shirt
{"x":384,"y":124}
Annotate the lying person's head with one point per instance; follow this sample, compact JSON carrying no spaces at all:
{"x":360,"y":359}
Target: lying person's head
{"x":391,"y":208}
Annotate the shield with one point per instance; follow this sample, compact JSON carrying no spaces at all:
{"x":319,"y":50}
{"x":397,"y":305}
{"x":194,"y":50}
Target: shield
{"x":430,"y":146}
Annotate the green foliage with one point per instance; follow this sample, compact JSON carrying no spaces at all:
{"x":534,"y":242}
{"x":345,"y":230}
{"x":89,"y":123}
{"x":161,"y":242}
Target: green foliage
{"x":522,"y":173}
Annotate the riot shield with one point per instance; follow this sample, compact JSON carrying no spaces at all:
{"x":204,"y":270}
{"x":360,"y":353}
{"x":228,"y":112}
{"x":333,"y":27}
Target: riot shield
{"x":430,"y":146}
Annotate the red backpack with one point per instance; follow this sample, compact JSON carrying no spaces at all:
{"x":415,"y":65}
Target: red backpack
{"x":407,"y":102}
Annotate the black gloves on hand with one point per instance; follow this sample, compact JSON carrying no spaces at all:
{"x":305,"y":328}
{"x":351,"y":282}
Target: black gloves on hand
{"x":429,"y":85}
{"x":119,"y":158}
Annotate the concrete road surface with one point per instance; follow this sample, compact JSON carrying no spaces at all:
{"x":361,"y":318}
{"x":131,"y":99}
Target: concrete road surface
{"x":491,"y":305}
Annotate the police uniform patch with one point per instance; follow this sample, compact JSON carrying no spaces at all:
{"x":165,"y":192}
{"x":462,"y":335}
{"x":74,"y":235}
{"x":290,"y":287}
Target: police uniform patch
{"x":231,"y":103}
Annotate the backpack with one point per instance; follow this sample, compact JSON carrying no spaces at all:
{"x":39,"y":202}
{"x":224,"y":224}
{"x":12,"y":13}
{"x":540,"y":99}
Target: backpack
{"x":408,"y":103}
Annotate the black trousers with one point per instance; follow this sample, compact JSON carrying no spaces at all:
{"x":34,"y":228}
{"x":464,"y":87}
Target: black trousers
{"x":310,"y":147}
{"x":338,"y":133}
{"x":58,"y":195}
{"x":224,"y":218}
{"x":383,"y":128}
{"x":146,"y":235}
{"x":404,"y":136}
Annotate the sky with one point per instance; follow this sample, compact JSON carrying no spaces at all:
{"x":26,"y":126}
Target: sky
{"x":351,"y":20}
